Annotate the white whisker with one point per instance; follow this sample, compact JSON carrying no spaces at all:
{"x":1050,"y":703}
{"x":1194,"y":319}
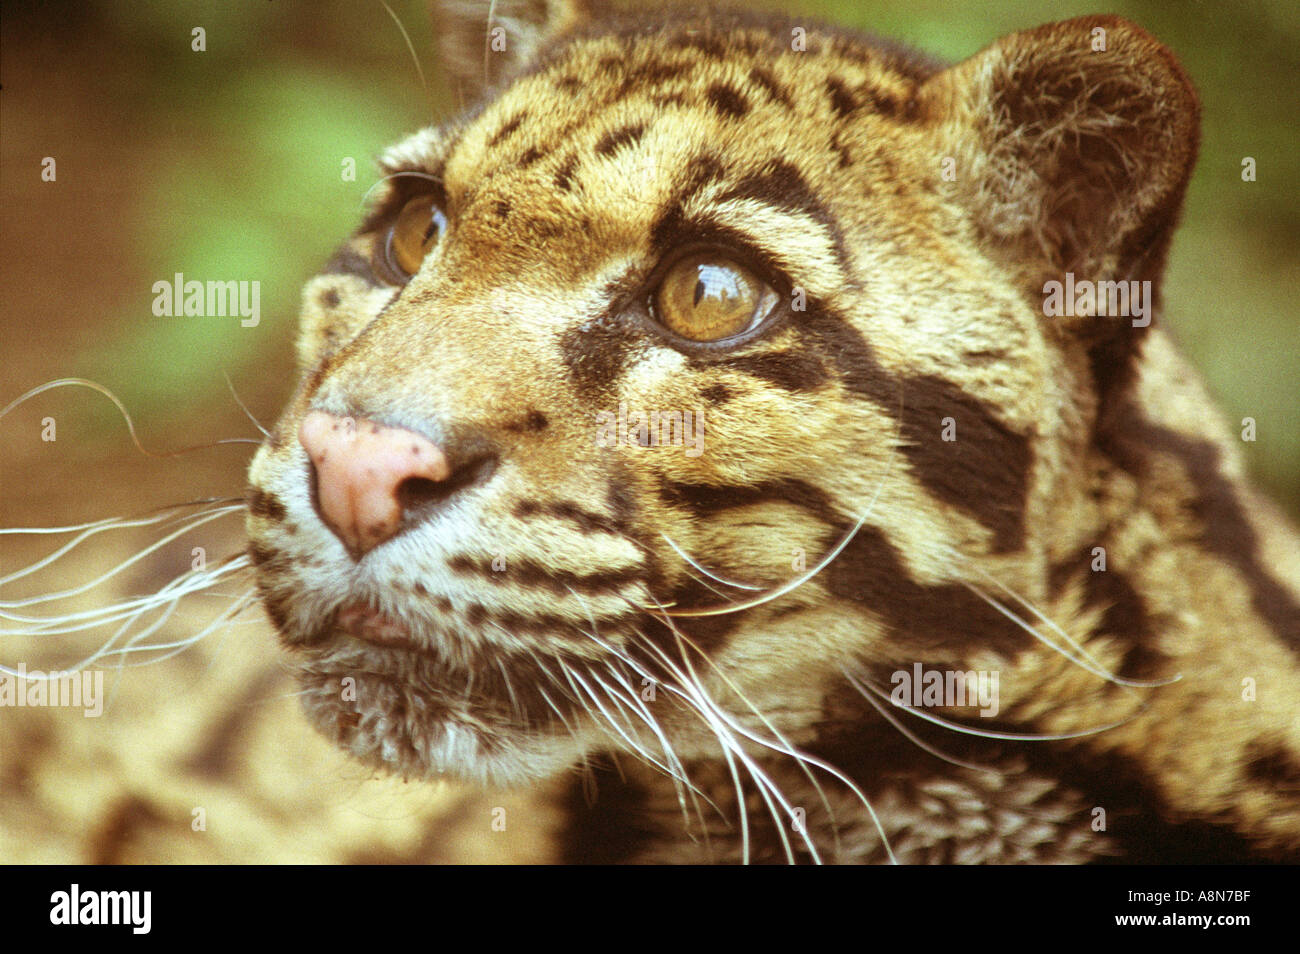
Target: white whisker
{"x":1005,"y":736}
{"x":825,"y":561}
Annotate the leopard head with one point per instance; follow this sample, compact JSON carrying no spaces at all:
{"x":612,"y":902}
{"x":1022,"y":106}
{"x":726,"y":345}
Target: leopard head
{"x":700,"y":371}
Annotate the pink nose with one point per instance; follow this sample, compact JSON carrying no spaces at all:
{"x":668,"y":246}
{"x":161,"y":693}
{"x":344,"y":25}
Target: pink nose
{"x":360,"y":466}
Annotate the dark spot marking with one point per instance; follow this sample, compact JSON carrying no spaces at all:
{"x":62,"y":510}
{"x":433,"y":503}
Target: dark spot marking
{"x":842,"y":101}
{"x":329,"y":299}
{"x":500,"y":135}
{"x":616,"y":139}
{"x":984,"y":472}
{"x":123,"y":827}
{"x":584,"y":520}
{"x":501,"y":208}
{"x":845,"y":101}
{"x":709,"y":634}
{"x":882,"y":102}
{"x":1273,"y":767}
{"x":1226,"y":531}
{"x":710,"y":46}
{"x":533,"y":421}
{"x":699,"y":172}
{"x":705,"y":501}
{"x":595,"y":354}
{"x":727,"y":100}
{"x":276,"y":605}
{"x":716,"y":394}
{"x":564,"y":175}
{"x":770,"y":85}
{"x":925,"y":618}
{"x":622,"y":504}
{"x":841,"y":150}
{"x":670,"y":99}
{"x":1124,"y":617}
{"x":645,"y":77}
{"x":530,"y":156}
{"x":524,"y":572}
{"x":262,"y":504}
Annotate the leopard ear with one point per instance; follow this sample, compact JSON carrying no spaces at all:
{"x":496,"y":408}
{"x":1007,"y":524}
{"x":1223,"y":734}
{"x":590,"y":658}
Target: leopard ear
{"x":1073,"y":145}
{"x":482,"y":43}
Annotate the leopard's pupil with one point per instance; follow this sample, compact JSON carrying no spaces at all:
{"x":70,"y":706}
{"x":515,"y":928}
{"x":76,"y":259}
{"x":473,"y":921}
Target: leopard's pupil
{"x":710,"y":298}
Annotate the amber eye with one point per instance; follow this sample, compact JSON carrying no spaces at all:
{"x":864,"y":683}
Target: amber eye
{"x":709,"y":298}
{"x":418,"y":228}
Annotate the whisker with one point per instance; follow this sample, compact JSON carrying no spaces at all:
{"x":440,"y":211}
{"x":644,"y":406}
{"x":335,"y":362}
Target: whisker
{"x":1088,"y":664}
{"x":786,"y":748}
{"x":194,"y":581}
{"x":113,"y":523}
{"x":414,"y":58}
{"x":710,"y":574}
{"x":907,"y":733}
{"x":249,"y":414}
{"x":487,"y":40}
{"x":126,"y":416}
{"x":197,"y":521}
{"x":691,"y":691}
{"x":1005,"y":736}
{"x":798,"y":581}
{"x":681,"y":778}
{"x":679,"y":774}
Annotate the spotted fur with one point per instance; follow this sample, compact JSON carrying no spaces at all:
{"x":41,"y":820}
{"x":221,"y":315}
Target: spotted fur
{"x":586,"y":603}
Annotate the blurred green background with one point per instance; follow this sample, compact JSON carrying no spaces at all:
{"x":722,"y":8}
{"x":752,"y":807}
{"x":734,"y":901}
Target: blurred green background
{"x":226,"y":164}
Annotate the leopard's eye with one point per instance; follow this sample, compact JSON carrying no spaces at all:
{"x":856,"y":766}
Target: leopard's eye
{"x":710,"y":298}
{"x":418,"y":229}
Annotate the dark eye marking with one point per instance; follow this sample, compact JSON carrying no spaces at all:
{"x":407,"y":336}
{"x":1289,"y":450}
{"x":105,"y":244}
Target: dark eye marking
{"x":348,"y":261}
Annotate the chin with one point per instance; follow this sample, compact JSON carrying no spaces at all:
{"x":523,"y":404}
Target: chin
{"x":421,"y":735}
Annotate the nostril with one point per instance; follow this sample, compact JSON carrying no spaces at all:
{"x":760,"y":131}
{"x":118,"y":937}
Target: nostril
{"x":419,"y":496}
{"x":416,"y":491}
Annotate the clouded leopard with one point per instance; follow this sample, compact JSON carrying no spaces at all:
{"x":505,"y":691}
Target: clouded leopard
{"x":689,"y":427}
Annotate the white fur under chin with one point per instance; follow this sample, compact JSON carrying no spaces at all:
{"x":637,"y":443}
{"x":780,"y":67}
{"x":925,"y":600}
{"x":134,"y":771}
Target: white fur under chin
{"x":448,"y":749}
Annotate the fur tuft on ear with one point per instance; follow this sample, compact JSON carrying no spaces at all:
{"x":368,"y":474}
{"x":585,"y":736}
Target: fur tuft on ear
{"x":1074,"y":143}
{"x":482,"y":43}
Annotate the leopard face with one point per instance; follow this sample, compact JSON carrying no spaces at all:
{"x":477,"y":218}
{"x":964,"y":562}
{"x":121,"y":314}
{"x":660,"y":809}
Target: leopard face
{"x":721,"y":372}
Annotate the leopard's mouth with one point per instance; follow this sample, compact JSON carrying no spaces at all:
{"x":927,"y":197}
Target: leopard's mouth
{"x":381,"y":692}
{"x":370,"y":625}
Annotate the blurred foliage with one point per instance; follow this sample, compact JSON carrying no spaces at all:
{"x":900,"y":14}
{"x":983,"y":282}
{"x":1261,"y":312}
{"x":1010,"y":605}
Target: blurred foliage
{"x":242,"y":146}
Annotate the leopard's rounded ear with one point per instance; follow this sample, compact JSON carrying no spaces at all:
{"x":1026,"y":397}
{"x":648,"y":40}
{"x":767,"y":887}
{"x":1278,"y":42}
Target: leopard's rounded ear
{"x":482,"y":43}
{"x":1073,"y":145}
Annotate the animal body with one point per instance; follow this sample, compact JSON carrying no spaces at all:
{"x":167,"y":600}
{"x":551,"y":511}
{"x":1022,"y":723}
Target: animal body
{"x":771,"y":434}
